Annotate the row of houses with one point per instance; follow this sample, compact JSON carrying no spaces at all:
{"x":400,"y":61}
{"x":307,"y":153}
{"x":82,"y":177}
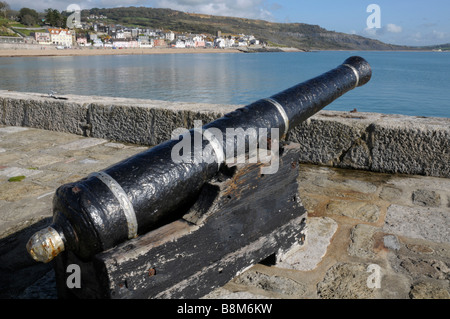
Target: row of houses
{"x":119,"y":32}
{"x":61,"y":37}
{"x":139,"y":39}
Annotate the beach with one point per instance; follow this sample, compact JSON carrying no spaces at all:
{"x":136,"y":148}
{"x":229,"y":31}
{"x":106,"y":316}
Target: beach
{"x":51,"y":51}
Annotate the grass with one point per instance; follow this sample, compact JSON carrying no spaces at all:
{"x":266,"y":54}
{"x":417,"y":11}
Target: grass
{"x":16,"y":178}
{"x":20,"y":25}
{"x":28,"y":32}
{"x":5,"y":32}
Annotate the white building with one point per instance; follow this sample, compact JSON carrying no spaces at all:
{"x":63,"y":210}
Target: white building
{"x":42,"y":37}
{"x":180,"y":44}
{"x":145,"y":42}
{"x":219,"y":42}
{"x":97,"y":42}
{"x":61,"y":37}
{"x":170,"y":36}
{"x":199,"y":41}
{"x":223,"y":42}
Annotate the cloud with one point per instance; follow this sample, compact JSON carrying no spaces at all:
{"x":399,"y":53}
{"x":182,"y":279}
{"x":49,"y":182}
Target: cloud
{"x":433,"y":37}
{"x":391,"y":33}
{"x":439,"y":34}
{"x":390,"y":27}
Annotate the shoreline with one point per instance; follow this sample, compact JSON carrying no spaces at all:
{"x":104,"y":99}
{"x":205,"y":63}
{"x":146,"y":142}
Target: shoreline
{"x":49,"y":52}
{"x":52,"y":51}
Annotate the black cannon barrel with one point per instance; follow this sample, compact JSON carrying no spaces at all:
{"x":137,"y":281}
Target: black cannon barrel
{"x":130,"y":197}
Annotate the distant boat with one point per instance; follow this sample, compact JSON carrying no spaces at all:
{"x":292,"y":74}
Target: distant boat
{"x":59,"y":47}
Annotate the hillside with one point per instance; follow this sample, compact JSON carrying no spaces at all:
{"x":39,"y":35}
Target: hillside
{"x":298,"y":35}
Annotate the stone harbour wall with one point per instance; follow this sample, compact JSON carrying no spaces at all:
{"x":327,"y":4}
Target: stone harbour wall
{"x":368,"y":141}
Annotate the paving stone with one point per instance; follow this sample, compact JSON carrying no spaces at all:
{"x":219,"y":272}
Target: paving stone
{"x":427,"y":290}
{"x":430,"y":268}
{"x":418,"y":222}
{"x":346,"y":281}
{"x":222,"y":293}
{"x":354,"y":209}
{"x":362,"y":241}
{"x":391,"y":242}
{"x":359,"y":186}
{"x":82,"y":143}
{"x":40,"y":160}
{"x":20,"y":190}
{"x":274,"y":284}
{"x":424,"y":197}
{"x":318,"y":234}
{"x":390,"y":193}
{"x":420,"y":249}
{"x":18,"y":171}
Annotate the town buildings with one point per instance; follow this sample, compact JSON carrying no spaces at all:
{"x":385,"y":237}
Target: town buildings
{"x":43,"y":37}
{"x":62,"y":37}
{"x":117,"y":36}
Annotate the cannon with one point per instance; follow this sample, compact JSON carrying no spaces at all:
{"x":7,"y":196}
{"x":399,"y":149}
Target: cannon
{"x":143,"y":193}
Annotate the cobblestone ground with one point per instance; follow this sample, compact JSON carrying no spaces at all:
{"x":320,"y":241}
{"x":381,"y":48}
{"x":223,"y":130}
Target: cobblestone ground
{"x":368,"y":235}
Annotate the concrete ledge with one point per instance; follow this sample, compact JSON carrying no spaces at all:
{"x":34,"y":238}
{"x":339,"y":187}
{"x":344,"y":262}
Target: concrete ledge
{"x":377,"y":142}
{"x":369,"y":141}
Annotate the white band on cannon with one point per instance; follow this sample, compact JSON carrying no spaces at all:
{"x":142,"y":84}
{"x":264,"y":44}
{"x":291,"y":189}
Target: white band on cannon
{"x":122,"y":197}
{"x":354,"y":71}
{"x":282,"y":113}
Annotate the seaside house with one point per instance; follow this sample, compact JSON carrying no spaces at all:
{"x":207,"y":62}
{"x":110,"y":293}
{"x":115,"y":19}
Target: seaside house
{"x":145,"y":41}
{"x":199,"y":41}
{"x":219,"y":42}
{"x":42,"y":37}
{"x":242,"y":42}
{"x":159,"y":43}
{"x":180,"y":44}
{"x":125,"y":43}
{"x":61,"y":37}
{"x":82,"y":41}
{"x":97,"y":42}
{"x":170,"y":36}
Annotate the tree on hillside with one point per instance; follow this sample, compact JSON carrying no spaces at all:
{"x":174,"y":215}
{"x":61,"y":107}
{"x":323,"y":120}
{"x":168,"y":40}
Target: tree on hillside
{"x":4,"y":8}
{"x":54,"y":18}
{"x":28,"y":16}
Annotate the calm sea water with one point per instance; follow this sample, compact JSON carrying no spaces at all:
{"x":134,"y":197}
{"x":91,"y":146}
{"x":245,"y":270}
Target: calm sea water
{"x":410,"y":83}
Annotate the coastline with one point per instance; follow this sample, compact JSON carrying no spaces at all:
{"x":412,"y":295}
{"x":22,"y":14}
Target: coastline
{"x":52,"y":51}
{"x":106,"y":51}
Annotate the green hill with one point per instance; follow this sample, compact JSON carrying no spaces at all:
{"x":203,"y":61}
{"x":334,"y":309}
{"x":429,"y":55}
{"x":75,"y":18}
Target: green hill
{"x":298,"y":35}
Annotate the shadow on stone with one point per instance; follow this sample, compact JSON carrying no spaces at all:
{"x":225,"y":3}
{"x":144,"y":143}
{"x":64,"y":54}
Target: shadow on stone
{"x":17,"y":269}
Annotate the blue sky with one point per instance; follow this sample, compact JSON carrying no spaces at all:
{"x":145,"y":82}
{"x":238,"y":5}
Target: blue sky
{"x":402,"y":22}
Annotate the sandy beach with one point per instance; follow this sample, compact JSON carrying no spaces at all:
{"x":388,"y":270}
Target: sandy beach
{"x":106,"y":51}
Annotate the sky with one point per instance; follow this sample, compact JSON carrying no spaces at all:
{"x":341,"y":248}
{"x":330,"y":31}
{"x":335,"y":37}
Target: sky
{"x":404,"y":22}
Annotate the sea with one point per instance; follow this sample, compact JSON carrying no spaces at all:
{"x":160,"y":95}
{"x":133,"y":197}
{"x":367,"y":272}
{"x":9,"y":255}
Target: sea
{"x":409,"y":83}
